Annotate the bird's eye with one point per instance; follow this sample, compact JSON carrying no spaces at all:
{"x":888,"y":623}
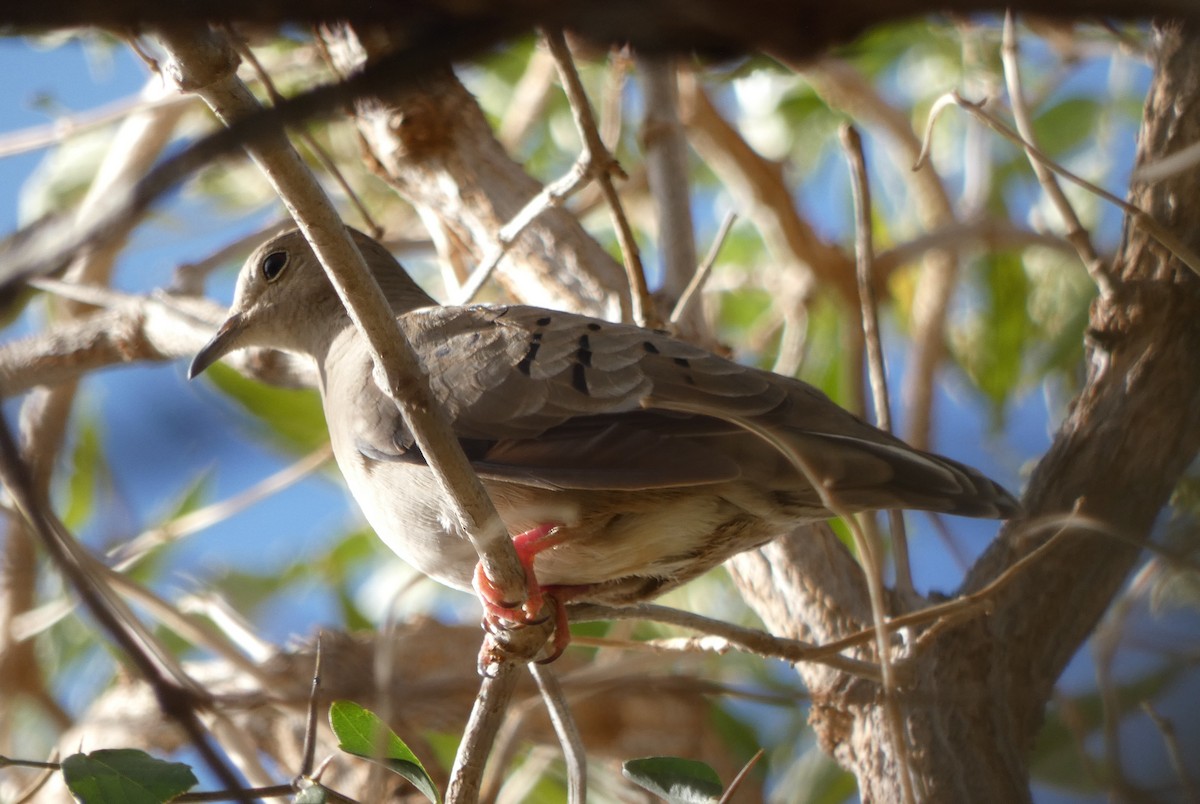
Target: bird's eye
{"x":273,"y":264}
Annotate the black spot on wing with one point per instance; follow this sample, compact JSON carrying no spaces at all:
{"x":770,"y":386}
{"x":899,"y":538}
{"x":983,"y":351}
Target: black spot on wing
{"x":649,"y":347}
{"x":683,"y":363}
{"x":526,"y":363}
{"x":579,"y":378}
{"x":584,"y":353}
{"x":544,"y":321}
{"x":594,"y":327}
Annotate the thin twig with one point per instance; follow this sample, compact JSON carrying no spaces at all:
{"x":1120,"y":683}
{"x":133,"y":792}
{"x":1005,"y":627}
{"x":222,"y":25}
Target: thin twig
{"x":315,"y":147}
{"x":568,"y":733}
{"x":602,"y":166}
{"x":17,"y":762}
{"x":747,"y":639}
{"x":310,"y":721}
{"x":1179,"y":162}
{"x":552,"y":195}
{"x":1171,"y":740}
{"x":869,"y":550}
{"x":66,"y":127}
{"x":992,"y":233}
{"x":1135,"y":214}
{"x":702,"y":272}
{"x":130,"y":552}
{"x":506,"y":747}
{"x":864,"y":248}
{"x":1099,"y":270}
{"x":39,"y":781}
{"x":846,"y":89}
{"x":274,"y":791}
{"x":741,"y":776}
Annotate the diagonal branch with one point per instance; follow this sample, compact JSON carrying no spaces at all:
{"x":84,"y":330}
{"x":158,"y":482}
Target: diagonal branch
{"x":204,"y":63}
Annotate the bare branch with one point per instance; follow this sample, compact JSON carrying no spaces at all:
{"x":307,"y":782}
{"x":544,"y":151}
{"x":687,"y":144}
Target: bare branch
{"x":700,"y":276}
{"x":602,"y":166}
{"x":486,"y":716}
{"x":760,"y":192}
{"x":666,"y":157}
{"x":567,"y":731}
{"x":1169,"y":240}
{"x":747,"y":639}
{"x":1076,"y":234}
{"x":446,"y":161}
{"x":865,"y":251}
{"x":203,"y":62}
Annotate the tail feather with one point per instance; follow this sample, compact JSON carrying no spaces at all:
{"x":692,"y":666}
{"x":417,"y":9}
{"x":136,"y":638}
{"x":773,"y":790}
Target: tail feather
{"x":866,"y":474}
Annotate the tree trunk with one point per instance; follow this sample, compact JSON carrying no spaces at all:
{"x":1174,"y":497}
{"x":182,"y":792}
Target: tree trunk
{"x":976,"y":691}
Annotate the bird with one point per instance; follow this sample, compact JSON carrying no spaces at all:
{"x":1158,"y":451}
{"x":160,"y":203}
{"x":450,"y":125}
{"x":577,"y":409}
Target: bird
{"x":623,"y":461}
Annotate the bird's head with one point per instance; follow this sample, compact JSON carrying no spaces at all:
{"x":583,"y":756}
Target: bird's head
{"x":284,"y":300}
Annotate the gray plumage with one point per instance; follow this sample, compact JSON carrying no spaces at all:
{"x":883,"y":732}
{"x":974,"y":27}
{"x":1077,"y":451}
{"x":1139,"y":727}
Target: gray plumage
{"x":635,"y":443}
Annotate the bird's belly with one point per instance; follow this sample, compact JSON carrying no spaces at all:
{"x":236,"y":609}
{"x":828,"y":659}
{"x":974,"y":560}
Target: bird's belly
{"x":629,"y":540}
{"x":662,"y":537}
{"x":404,"y":505}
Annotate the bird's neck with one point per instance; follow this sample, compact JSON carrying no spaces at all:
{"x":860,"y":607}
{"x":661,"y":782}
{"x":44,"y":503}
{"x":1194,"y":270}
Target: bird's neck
{"x":401,"y":292}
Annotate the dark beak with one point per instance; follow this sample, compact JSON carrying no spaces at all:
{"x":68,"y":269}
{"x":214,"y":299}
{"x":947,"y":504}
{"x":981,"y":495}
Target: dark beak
{"x":222,"y":343}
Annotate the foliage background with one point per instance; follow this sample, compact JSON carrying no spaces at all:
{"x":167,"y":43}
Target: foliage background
{"x":146,"y":446}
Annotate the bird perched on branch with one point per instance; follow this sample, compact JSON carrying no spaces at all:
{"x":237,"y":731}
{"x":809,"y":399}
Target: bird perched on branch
{"x":623,"y":462}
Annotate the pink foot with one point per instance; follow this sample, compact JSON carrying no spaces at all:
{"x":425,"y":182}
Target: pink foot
{"x":527,"y":545}
{"x":559,"y":595}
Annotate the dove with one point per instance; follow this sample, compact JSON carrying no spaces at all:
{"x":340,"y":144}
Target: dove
{"x":623,"y":462}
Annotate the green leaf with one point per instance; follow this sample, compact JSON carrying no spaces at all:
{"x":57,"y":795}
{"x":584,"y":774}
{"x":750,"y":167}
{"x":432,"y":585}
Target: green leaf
{"x":991,"y":347}
{"x":87,"y":461}
{"x":191,"y":497}
{"x":362,"y":733}
{"x":1066,"y":125}
{"x":293,"y":416}
{"x":125,"y":776}
{"x":679,"y":781}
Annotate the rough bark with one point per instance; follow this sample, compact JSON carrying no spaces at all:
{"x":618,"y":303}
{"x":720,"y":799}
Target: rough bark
{"x":433,"y":145}
{"x":1133,"y":429}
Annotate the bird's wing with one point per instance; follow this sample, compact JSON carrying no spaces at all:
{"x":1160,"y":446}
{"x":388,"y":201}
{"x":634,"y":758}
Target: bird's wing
{"x":559,"y":400}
